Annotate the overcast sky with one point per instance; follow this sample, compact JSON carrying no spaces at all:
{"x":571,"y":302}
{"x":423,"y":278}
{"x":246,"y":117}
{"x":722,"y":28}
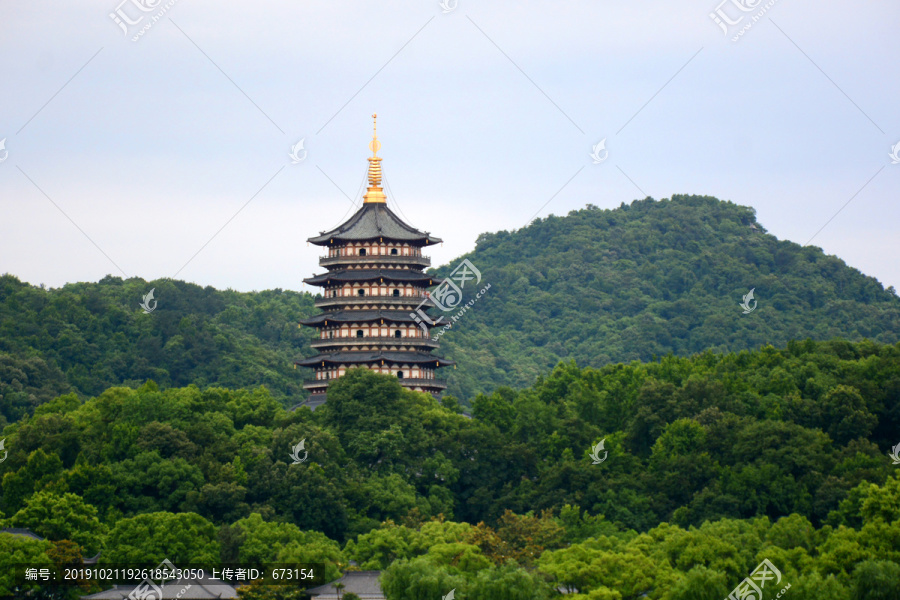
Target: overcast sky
{"x":169,"y":155}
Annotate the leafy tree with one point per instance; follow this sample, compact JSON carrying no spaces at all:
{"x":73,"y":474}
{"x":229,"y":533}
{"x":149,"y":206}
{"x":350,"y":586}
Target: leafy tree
{"x":153,"y":537}
{"x":18,"y":550}
{"x":269,"y":542}
{"x":61,"y":517}
{"x":876,"y":580}
{"x":40,"y":470}
{"x":700,"y":583}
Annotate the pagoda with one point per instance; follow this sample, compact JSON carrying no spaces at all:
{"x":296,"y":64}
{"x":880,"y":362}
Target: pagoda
{"x":374,"y":292}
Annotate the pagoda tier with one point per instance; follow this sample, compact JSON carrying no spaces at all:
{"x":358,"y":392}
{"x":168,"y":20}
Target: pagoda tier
{"x":345,"y":278}
{"x":374,"y":299}
{"x":377,"y":223}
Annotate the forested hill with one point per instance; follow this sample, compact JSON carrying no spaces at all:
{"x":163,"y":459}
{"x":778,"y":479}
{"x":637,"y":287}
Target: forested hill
{"x":86,"y":337}
{"x":650,"y":278}
{"x":708,"y":465}
{"x":596,"y":286}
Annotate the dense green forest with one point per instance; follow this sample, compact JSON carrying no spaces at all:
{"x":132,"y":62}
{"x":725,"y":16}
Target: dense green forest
{"x":715,"y":462}
{"x":86,"y":337}
{"x":596,"y":286}
{"x":646,"y":279}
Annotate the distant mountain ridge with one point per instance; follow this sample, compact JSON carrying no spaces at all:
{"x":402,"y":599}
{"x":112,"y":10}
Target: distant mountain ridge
{"x":650,"y":278}
{"x":596,"y":286}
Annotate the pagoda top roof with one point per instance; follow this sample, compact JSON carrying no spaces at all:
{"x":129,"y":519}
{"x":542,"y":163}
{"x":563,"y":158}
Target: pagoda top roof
{"x":374,"y":221}
{"x":375,"y":355}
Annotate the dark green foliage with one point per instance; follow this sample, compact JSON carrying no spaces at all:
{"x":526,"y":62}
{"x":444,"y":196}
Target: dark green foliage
{"x":649,"y":279}
{"x":86,"y":337}
{"x":876,"y":580}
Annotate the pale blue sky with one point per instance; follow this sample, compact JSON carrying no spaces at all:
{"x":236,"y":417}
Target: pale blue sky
{"x":485,"y":112}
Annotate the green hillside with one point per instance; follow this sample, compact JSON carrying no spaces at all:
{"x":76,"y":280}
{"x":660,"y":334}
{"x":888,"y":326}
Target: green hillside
{"x":651,"y":278}
{"x":86,"y":337}
{"x":596,"y":287}
{"x":710,"y":464}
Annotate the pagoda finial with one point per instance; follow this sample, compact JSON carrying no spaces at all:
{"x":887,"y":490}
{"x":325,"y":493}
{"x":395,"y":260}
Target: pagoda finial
{"x":374,"y":193}
{"x":375,"y":145}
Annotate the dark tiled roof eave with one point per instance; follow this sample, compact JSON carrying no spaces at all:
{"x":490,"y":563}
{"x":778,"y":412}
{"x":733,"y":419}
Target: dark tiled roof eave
{"x":364,"y":316}
{"x":186,"y":589}
{"x":374,"y":356}
{"x":22,"y":532}
{"x":358,"y":582}
{"x":350,"y":275}
{"x":374,"y":221}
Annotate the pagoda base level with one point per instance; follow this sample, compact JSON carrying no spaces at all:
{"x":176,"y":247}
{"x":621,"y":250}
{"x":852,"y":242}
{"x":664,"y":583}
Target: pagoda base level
{"x":313,"y":402}
{"x":317,"y":399}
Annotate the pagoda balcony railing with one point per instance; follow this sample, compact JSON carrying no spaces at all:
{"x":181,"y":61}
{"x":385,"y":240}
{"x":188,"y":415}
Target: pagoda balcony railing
{"x":388,"y":259}
{"x":409,"y":381}
{"x":424,"y":382}
{"x":337,"y":342}
{"x":316,"y":383}
{"x":357,"y":300}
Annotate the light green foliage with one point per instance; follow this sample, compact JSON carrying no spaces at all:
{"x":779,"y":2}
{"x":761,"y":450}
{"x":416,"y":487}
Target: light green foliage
{"x":61,"y":517}
{"x":271,"y":542}
{"x":380,"y":547}
{"x":711,"y":468}
{"x":700,"y":583}
{"x":150,"y":538}
{"x":18,"y":550}
{"x":464,"y":557}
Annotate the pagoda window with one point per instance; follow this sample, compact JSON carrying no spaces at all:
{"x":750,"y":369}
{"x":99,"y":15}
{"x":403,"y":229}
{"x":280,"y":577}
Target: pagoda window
{"x":330,"y":335}
{"x":398,"y":333}
{"x":359,"y":333}
{"x":393,"y":252}
{"x":399,"y":374}
{"x":361,"y":292}
{"x":396,"y":293}
{"x":362,"y":251}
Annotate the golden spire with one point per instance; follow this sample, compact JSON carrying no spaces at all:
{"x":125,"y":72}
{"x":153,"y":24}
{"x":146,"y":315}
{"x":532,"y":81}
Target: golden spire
{"x":374,"y":194}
